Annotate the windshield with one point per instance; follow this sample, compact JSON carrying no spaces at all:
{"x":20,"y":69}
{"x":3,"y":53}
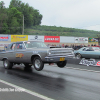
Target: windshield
{"x":32,"y":44}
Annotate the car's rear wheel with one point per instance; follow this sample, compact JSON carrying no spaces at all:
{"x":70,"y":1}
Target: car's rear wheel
{"x":38,"y":63}
{"x":61,"y":64}
{"x":78,"y":56}
{"x":7,"y":64}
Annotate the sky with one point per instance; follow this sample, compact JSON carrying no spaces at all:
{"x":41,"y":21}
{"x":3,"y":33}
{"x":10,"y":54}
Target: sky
{"x":80,"y":14}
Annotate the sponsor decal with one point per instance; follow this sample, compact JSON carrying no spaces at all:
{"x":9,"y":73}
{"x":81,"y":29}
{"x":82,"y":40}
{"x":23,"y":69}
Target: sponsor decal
{"x":93,"y":39}
{"x":19,"y":55}
{"x":35,"y":38}
{"x":81,"y":40}
{"x":98,"y":63}
{"x":35,"y":52}
{"x":52,"y":39}
{"x":4,"y":38}
{"x":15,"y":38}
{"x":90,"y":62}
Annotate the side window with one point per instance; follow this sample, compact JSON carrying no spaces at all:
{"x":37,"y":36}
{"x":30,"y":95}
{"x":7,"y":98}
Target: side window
{"x":13,"y":46}
{"x":9,"y":47}
{"x":19,"y":46}
{"x":89,"y":49}
{"x":84,"y":49}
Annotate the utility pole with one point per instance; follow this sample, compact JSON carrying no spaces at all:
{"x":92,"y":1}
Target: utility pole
{"x":98,"y":39}
{"x":23,"y":26}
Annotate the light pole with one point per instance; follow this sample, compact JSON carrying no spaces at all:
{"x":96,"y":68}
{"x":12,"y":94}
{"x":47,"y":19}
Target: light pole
{"x":98,"y":39}
{"x":23,"y":26}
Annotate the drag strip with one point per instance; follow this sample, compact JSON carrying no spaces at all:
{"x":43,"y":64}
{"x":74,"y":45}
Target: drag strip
{"x":51,"y":83}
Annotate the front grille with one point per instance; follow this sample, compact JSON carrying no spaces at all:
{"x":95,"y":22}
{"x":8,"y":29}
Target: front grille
{"x":61,"y":52}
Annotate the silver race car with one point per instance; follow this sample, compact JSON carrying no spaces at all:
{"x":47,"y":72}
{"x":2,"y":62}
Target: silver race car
{"x":34,"y":53}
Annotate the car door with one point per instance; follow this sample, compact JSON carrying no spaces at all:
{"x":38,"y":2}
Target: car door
{"x":10,"y":52}
{"x":88,"y":52}
{"x":20,"y":53}
{"x":96,"y":53}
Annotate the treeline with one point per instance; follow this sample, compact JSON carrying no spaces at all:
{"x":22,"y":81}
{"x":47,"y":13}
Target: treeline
{"x":60,"y":31}
{"x":11,"y":18}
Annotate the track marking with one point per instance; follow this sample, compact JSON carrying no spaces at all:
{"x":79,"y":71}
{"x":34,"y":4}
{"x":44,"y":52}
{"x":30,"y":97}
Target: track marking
{"x":26,"y":90}
{"x":79,"y":69}
{"x":83,"y":69}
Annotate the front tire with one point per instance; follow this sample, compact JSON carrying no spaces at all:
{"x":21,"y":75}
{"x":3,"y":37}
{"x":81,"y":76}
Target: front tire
{"x":38,"y":63}
{"x":61,"y":64}
{"x":78,"y":56}
{"x":7,"y":64}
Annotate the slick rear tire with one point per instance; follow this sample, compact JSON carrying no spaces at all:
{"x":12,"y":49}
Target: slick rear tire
{"x":7,"y":64}
{"x":61,"y":64}
{"x":38,"y":63}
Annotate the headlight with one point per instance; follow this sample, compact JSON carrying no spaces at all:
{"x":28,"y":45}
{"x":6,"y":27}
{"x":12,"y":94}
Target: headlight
{"x":49,"y":52}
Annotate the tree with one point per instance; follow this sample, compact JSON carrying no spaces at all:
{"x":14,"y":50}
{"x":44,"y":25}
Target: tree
{"x":32,"y":16}
{"x":14,"y":26}
{"x":15,"y":20}
{"x":11,"y":19}
{"x":3,"y":18}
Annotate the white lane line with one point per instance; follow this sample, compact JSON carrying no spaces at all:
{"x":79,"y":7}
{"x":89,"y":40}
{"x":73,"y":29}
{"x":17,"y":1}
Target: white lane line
{"x":26,"y":90}
{"x":80,"y":69}
{"x":83,"y":69}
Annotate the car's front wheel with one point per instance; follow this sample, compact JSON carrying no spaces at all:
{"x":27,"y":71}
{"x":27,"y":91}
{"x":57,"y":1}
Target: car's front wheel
{"x":7,"y":64}
{"x":61,"y":64}
{"x":78,"y":56}
{"x":38,"y":63}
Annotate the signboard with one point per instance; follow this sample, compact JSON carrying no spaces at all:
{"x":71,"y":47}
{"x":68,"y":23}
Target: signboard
{"x":66,"y":39}
{"x":93,"y":39}
{"x":35,"y":38}
{"x":5,"y":38}
{"x":81,"y":39}
{"x":54,"y":39}
{"x":16,"y":38}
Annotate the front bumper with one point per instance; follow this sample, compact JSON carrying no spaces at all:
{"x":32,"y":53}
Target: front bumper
{"x":54,"y":59}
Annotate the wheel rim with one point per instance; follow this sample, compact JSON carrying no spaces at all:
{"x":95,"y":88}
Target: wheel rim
{"x":5,"y":63}
{"x":37,"y":63}
{"x":78,"y":56}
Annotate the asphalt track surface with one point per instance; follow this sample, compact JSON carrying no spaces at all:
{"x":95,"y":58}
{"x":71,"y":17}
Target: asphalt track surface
{"x":74,"y":82}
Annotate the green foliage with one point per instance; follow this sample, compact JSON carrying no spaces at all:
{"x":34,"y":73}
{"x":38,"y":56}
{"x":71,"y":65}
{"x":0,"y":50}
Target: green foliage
{"x":11,"y":22}
{"x":5,"y":29}
{"x":32,"y":16}
{"x":11,"y":19}
{"x":60,"y":31}
{"x":3,"y":18}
